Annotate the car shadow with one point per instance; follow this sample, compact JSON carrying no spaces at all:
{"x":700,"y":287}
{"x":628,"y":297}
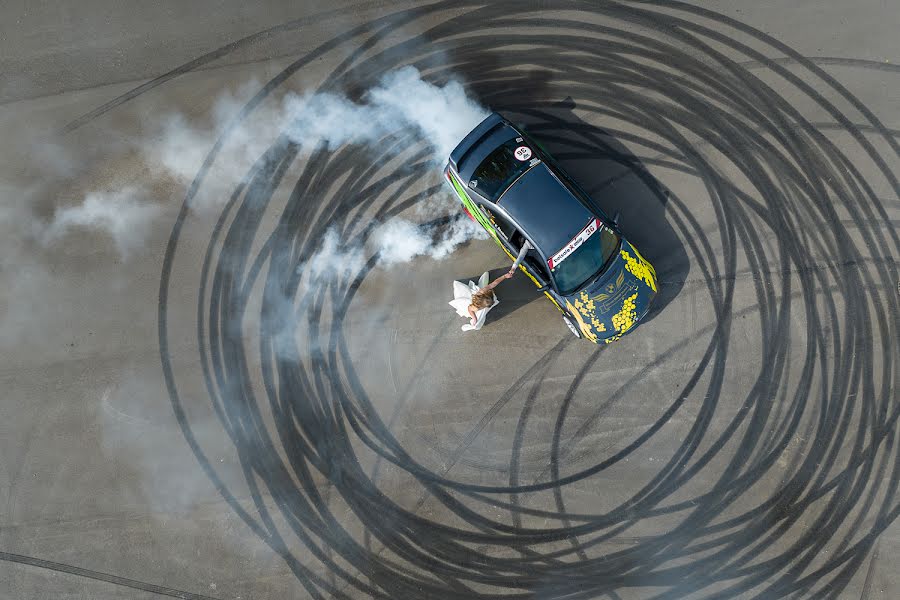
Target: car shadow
{"x":617,"y":182}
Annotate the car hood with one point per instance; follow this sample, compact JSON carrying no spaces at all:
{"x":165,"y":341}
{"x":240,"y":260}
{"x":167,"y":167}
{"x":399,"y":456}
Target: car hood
{"x":613,"y":304}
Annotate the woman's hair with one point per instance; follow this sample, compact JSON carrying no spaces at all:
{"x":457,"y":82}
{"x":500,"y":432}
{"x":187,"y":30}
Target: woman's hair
{"x":483,"y":299}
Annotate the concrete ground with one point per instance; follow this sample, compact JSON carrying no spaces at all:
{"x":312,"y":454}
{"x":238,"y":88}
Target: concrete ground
{"x":187,"y":414}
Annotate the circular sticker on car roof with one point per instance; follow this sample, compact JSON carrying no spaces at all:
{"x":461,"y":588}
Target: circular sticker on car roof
{"x":523,"y":153}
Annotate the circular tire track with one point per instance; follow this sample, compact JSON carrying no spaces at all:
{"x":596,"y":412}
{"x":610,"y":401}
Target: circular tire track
{"x":673,"y":83}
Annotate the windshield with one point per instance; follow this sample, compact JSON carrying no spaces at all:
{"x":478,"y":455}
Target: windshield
{"x":584,"y":257}
{"x":502,"y":167}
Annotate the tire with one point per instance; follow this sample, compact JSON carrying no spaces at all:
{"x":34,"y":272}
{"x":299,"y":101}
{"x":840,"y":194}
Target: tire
{"x":575,"y":331}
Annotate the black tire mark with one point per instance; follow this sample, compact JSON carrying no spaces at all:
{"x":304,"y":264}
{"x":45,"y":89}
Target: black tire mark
{"x":870,"y":574}
{"x":670,"y":75}
{"x":99,"y":576}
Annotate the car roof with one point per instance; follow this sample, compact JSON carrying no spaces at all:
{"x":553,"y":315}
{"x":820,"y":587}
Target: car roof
{"x":545,"y":209}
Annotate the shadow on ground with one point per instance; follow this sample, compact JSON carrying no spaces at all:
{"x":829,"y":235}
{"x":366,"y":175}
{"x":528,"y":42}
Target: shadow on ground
{"x":513,"y":293}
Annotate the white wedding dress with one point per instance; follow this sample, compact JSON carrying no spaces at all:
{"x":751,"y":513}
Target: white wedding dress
{"x":462,"y":298}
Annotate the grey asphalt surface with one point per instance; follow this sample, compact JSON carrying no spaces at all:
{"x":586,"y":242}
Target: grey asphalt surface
{"x":740,"y":443}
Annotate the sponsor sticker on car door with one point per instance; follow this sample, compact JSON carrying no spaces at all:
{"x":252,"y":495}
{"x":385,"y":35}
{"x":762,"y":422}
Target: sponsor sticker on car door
{"x":573,"y":245}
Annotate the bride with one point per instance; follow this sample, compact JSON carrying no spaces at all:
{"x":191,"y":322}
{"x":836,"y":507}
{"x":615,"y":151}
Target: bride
{"x":475,"y":300}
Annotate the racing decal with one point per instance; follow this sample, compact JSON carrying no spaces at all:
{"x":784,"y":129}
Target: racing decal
{"x":585,"y":306}
{"x":644,"y":260}
{"x":587,"y":311}
{"x":625,"y":319}
{"x":639,"y":267}
{"x":614,"y":293}
{"x":471,"y":208}
{"x":522,"y":153}
{"x":585,"y":328}
{"x":493,"y":221}
{"x":579,"y":239}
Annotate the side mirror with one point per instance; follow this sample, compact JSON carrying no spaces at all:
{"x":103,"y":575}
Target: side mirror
{"x":615,"y":219}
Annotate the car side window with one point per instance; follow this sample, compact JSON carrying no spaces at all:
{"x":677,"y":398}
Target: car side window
{"x":537,"y":265}
{"x":502,"y":224}
{"x":532,"y":261}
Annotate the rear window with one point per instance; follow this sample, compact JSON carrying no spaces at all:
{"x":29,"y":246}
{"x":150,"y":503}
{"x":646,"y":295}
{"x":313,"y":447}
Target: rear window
{"x":502,"y":167}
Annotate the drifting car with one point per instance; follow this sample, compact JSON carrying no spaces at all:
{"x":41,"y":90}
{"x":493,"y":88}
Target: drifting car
{"x":570,"y":249}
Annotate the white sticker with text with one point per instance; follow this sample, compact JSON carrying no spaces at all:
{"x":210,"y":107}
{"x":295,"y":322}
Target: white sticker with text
{"x":577,"y":241}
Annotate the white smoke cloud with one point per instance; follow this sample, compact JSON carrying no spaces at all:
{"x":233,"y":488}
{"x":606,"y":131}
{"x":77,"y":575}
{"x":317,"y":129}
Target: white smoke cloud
{"x":182,"y":143}
{"x":181,"y":148}
{"x":39,"y":212}
{"x":397,"y":241}
{"x":334,"y":258}
{"x":403,"y":101}
{"x":122,"y":214}
{"x":460,"y":230}
{"x":443,"y":115}
{"x":334,"y":121}
{"x":400,"y":240}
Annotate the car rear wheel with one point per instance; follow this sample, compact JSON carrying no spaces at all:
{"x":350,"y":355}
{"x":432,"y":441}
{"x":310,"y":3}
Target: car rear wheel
{"x":571,"y":325}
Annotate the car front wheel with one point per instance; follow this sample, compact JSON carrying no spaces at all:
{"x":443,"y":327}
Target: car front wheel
{"x":572,"y":327}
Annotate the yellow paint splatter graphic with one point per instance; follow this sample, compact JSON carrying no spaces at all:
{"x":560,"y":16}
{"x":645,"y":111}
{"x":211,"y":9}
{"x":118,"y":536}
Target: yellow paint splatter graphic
{"x":584,"y":327}
{"x":625,"y":318}
{"x":640,"y":268}
{"x":585,"y":303}
{"x":584,"y":306}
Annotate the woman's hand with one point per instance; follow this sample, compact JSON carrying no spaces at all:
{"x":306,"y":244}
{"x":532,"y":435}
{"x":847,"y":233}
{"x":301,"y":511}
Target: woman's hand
{"x":509,"y":274}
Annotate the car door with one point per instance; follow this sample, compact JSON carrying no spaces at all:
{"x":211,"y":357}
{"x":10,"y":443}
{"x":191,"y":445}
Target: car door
{"x":536,"y":267}
{"x":533,"y":264}
{"x":513,"y":238}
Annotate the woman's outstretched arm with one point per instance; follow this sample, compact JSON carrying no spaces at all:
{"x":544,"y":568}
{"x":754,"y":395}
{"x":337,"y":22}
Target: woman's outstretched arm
{"x":495,"y":282}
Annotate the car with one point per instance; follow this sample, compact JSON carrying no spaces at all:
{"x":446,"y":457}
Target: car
{"x":573,"y":252}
